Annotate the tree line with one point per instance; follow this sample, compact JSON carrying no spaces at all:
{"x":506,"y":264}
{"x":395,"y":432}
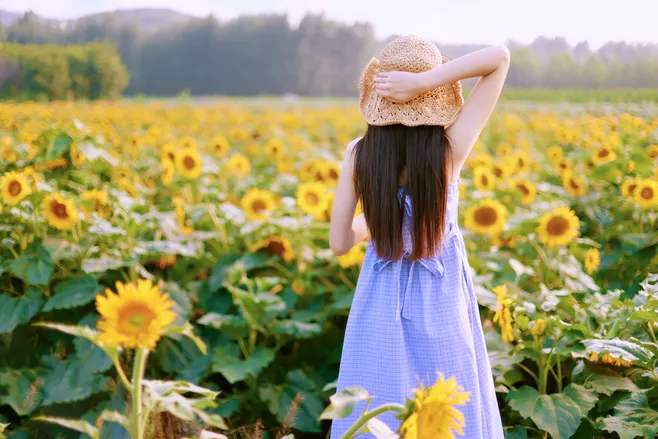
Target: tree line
{"x":48,"y":71}
{"x":264,"y":54}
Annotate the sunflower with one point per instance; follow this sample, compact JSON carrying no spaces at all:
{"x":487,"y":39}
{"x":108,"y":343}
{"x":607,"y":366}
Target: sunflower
{"x":275,"y":246}
{"x":179,"y":205}
{"x":76,"y":156}
{"x":503,"y":314}
{"x":628,"y":187}
{"x":558,"y":227}
{"x":646,"y":193}
{"x":554,"y":153}
{"x":330,"y":172}
{"x":592,"y":260}
{"x":527,"y":190}
{"x":538,"y":327}
{"x":135,"y":316}
{"x":487,"y":216}
{"x":220,"y":146}
{"x":312,"y":198}
{"x":239,"y":165}
{"x":309,"y":170}
{"x":274,"y":148}
{"x":15,"y":187}
{"x":258,"y":203}
{"x":188,"y":163}
{"x":188,"y":142}
{"x":98,"y":199}
{"x":484,"y":178}
{"x":434,"y":414}
{"x":502,"y":169}
{"x":573,"y":184}
{"x":503,"y":149}
{"x":354,"y":256}
{"x":168,"y":152}
{"x":652,"y":151}
{"x":60,"y":212}
{"x":168,"y":171}
{"x":521,"y":162}
{"x":603,"y":154}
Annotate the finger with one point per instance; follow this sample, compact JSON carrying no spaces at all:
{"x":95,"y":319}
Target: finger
{"x":383,"y":86}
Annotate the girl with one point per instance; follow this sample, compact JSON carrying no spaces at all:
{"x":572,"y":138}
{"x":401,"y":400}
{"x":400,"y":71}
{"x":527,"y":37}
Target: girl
{"x":414,"y":312}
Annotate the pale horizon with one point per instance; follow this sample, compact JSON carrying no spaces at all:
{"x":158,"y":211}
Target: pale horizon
{"x":466,"y":22}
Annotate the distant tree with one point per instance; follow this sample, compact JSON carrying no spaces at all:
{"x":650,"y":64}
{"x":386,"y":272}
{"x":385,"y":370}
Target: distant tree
{"x":525,"y":69}
{"x":560,"y":70}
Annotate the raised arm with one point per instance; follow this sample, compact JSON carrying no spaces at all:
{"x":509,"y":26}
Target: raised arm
{"x":490,"y":64}
{"x":345,"y":229}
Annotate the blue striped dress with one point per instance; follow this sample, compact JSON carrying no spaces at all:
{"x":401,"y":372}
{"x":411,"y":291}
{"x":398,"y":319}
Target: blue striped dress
{"x":410,"y":319}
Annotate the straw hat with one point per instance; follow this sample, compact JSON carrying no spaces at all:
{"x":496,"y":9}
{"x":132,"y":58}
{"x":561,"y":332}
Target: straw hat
{"x":438,"y":106}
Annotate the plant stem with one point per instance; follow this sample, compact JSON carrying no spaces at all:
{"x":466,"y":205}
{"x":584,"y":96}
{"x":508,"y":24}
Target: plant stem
{"x":365,"y":417}
{"x":122,"y":375}
{"x":137,"y":423}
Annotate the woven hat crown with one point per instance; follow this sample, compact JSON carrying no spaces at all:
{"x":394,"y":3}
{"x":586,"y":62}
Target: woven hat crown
{"x":437,"y":106}
{"x":411,"y":54}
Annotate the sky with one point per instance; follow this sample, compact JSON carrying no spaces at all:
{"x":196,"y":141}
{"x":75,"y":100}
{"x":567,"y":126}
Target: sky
{"x":454,"y":21}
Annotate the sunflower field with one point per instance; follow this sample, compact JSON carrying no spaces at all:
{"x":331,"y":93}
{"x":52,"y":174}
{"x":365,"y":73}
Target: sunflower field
{"x":190,"y":240}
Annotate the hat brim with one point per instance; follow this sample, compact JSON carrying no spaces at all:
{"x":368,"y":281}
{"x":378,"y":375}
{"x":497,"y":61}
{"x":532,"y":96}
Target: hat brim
{"x":437,"y":106}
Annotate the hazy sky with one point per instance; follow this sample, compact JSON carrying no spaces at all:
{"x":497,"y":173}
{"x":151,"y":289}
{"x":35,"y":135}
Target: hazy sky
{"x":466,"y":21}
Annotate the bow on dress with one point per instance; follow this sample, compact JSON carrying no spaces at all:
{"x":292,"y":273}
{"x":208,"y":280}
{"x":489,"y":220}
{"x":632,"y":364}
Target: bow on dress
{"x":432,"y":264}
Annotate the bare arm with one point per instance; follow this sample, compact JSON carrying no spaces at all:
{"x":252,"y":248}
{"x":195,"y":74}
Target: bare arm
{"x":345,"y":230}
{"x":490,"y":64}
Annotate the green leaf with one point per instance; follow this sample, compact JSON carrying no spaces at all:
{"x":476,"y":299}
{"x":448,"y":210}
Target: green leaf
{"x":168,"y":396}
{"x":85,"y":332}
{"x":633,"y":417}
{"x":342,"y":403}
{"x":295,"y":328}
{"x":280,"y":398}
{"x":628,"y":350}
{"x":59,"y":146}
{"x":71,"y":380}
{"x":235,"y":369}
{"x":34,"y":265}
{"x":560,"y":414}
{"x":21,"y":389}
{"x":16,"y":311}
{"x":74,"y":424}
{"x":608,"y":384}
{"x":72,"y":292}
{"x":232,"y":325}
{"x":187,"y":330}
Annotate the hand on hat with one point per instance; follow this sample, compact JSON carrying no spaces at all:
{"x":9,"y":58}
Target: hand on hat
{"x":398,"y":86}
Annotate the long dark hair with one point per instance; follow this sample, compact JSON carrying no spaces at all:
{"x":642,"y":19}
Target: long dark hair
{"x":380,"y":157}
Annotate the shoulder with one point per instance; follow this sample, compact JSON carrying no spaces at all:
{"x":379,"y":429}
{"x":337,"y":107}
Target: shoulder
{"x":352,"y":144}
{"x":349,"y":150}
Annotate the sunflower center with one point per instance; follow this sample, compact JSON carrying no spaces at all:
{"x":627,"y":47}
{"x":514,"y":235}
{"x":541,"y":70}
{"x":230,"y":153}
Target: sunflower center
{"x":312,"y":198}
{"x":603,"y":153}
{"x":258,"y":206}
{"x":573,"y":184}
{"x":523,"y":189}
{"x":15,"y":188}
{"x":189,"y":162}
{"x":59,"y":209}
{"x":484,"y":180}
{"x":275,"y":247}
{"x":486,"y":216}
{"x":557,"y":225}
{"x":646,"y":193}
{"x":135,"y":318}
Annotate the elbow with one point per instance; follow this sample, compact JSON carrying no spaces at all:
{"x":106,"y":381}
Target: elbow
{"x":338,"y":248}
{"x":504,"y":55}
